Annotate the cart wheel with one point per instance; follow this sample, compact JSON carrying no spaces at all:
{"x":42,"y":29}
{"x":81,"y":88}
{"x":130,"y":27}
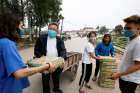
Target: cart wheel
{"x":74,"y":72}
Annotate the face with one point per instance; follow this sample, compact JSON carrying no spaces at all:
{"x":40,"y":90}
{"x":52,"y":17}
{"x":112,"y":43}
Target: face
{"x":135,"y":28}
{"x":53,"y":27}
{"x":92,"y":38}
{"x":107,"y":39}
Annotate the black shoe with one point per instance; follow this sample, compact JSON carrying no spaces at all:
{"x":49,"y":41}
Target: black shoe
{"x":58,"y":91}
{"x":47,"y":92}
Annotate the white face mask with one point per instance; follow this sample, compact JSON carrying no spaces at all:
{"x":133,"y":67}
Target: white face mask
{"x":92,"y":40}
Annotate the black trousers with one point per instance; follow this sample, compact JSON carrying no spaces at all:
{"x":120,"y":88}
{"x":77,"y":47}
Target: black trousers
{"x":127,"y":87}
{"x":55,"y":78}
{"x":86,"y":73}
{"x":97,"y":68}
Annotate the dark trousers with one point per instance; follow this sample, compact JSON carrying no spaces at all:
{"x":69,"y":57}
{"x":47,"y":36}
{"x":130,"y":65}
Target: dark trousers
{"x":55,"y":78}
{"x":86,"y":73}
{"x":97,"y":68}
{"x":127,"y":87}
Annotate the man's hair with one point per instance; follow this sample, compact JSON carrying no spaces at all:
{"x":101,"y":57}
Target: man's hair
{"x":90,"y":33}
{"x":54,"y":23}
{"x":8,"y":26}
{"x":133,"y":19}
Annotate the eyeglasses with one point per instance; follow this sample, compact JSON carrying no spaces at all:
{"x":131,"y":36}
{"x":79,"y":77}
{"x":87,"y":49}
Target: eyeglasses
{"x":127,"y":28}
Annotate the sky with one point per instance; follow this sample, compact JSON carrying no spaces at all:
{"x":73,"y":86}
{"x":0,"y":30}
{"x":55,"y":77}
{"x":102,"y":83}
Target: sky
{"x":92,"y":13}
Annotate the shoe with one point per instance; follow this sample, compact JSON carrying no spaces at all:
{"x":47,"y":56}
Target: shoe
{"x":58,"y":91}
{"x":88,"y":86}
{"x":46,"y":92}
{"x":81,"y":90}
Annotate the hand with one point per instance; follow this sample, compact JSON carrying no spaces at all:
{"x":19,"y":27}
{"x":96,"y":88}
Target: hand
{"x":99,"y":58}
{"x":52,"y":68}
{"x":62,"y":66}
{"x":115,"y":76}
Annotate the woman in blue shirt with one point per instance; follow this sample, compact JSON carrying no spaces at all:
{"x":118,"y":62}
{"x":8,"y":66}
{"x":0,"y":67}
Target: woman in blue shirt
{"x":105,"y":48}
{"x":13,"y":71}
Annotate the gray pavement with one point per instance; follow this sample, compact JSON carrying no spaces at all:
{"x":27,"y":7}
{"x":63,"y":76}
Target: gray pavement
{"x":76,"y":44}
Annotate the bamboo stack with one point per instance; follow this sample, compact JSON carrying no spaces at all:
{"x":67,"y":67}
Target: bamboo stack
{"x":57,"y":61}
{"x":107,"y":68}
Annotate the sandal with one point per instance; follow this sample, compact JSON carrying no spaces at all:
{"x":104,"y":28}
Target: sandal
{"x":81,"y":91}
{"x":88,"y":86}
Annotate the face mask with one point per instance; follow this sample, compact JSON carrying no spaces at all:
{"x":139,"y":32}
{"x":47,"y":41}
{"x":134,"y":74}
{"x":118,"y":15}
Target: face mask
{"x":107,"y":44}
{"x":92,"y":40}
{"x":52,"y":33}
{"x":128,"y":33}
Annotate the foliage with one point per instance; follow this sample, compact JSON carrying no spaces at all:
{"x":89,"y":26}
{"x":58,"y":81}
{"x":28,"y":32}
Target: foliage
{"x":118,"y":29}
{"x":103,"y":30}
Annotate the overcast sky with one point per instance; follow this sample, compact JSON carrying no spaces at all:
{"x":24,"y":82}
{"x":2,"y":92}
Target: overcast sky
{"x":91,"y":13}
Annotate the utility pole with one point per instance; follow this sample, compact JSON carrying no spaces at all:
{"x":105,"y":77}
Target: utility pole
{"x":62,"y":25}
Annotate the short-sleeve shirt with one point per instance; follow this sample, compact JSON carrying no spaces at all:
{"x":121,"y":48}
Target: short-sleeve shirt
{"x":89,"y":48}
{"x":131,"y":54}
{"x":10,"y":62}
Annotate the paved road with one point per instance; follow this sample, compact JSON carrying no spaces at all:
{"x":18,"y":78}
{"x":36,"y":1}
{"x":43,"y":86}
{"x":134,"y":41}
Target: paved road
{"x":67,"y":86}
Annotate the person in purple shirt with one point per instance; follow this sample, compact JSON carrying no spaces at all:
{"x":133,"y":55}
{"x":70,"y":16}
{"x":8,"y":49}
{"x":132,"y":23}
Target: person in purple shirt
{"x":13,"y":71}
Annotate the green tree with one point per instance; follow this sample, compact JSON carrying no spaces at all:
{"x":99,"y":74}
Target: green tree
{"x":43,"y":10}
{"x":103,"y":30}
{"x":118,"y":29}
{"x":39,"y":12}
{"x":12,"y":6}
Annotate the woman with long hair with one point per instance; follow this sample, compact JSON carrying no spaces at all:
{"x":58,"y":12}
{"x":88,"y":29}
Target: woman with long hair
{"x":13,"y":71}
{"x":87,"y":62}
{"x":104,"y":48}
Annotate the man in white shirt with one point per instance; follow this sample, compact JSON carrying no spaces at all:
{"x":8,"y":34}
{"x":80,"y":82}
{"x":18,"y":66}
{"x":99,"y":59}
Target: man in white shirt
{"x":129,"y":74}
{"x":51,"y":45}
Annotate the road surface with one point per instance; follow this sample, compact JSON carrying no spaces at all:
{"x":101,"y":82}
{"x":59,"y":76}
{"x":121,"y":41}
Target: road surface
{"x":76,"y":44}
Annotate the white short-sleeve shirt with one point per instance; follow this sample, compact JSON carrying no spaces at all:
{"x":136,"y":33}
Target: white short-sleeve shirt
{"x":131,"y":54}
{"x":88,"y":48}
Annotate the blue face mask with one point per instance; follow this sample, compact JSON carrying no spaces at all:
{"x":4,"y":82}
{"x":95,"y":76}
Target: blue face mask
{"x":52,"y":33}
{"x":128,"y":33}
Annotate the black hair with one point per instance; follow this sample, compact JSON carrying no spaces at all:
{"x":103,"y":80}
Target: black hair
{"x":8,"y":26}
{"x":133,"y":19}
{"x":107,"y":35}
{"x":54,"y":23}
{"x":90,"y":33}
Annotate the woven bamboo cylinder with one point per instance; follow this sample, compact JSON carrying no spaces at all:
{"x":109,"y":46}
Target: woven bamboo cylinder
{"x":107,"y":68}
